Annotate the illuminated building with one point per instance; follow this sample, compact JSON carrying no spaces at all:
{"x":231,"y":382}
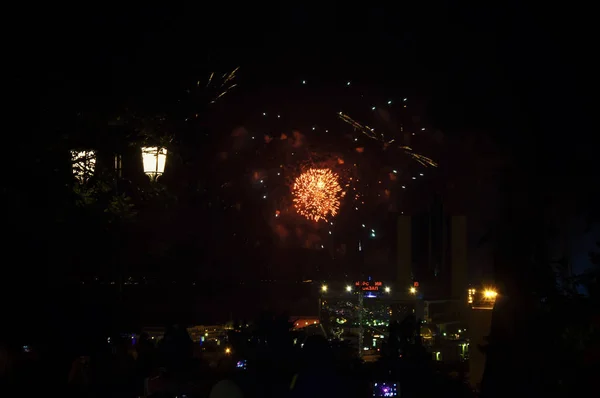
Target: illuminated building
{"x":482,"y":298}
{"x":432,"y":249}
{"x":480,"y":301}
{"x":480,"y":321}
{"x":358,"y":312}
{"x":404,"y":250}
{"x":302,"y":322}
{"x":458,"y":255}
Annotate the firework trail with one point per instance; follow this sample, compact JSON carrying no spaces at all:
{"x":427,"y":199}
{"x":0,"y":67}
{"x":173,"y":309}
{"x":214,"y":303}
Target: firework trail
{"x":380,"y":137}
{"x":223,"y":85}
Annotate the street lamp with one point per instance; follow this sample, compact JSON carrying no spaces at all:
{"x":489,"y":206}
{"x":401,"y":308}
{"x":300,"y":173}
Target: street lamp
{"x":413,"y":290}
{"x":154,"y":160}
{"x":348,"y":288}
{"x":119,"y":165}
{"x":388,"y":289}
{"x":484,"y":300}
{"x":323,"y":291}
{"x":83,"y":164}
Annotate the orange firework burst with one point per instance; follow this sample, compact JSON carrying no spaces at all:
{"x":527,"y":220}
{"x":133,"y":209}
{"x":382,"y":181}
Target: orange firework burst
{"x":317,"y":194}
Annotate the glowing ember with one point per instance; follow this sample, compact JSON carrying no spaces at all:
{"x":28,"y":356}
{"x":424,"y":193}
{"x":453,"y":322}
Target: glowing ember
{"x":317,"y":194}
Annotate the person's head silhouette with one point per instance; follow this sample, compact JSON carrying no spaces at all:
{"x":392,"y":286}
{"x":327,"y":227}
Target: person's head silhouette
{"x":317,"y":351}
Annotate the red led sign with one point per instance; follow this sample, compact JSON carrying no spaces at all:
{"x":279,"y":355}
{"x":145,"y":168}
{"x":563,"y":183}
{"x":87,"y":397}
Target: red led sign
{"x":369,"y":286}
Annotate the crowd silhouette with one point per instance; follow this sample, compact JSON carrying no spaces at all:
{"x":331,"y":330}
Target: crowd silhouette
{"x":277,"y":362}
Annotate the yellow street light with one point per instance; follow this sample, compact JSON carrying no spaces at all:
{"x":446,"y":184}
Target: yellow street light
{"x":324,"y":288}
{"x":348,"y":288}
{"x":413,"y":290}
{"x":154,"y":160}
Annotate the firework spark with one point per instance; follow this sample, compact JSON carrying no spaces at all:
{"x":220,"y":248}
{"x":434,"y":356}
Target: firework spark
{"x":370,"y":132}
{"x":423,"y":160}
{"x":225,"y":85}
{"x":363,"y":129}
{"x":317,"y":194}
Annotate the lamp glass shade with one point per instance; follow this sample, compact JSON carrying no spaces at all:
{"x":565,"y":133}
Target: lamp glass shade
{"x":154,"y":160}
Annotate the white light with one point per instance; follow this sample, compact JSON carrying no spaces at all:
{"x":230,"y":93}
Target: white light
{"x":327,"y":131}
{"x":278,"y":116}
{"x":389,"y":102}
{"x":154,"y":160}
{"x":303,"y":81}
{"x":329,"y":232}
{"x":324,"y":288}
{"x":83,"y":164}
{"x":264,"y":114}
{"x":348,"y":288}
{"x":395,"y":171}
{"x":373,"y":108}
{"x":405,"y":99}
{"x":314,"y":128}
{"x":347,"y":83}
{"x":387,"y":289}
{"x":421,"y":174}
{"x":264,"y":196}
{"x":403,"y":187}
{"x":423,"y":129}
{"x":414,"y":178}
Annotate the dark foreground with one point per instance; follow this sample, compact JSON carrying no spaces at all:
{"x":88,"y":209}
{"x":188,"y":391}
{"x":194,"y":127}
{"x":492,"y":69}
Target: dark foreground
{"x":266,"y":361}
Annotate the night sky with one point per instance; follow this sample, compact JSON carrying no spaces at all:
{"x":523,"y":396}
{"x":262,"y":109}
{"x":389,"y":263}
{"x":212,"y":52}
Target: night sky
{"x":459,"y":56}
{"x":499,"y":83}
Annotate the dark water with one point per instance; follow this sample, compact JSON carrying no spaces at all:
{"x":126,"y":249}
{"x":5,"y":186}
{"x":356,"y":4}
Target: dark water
{"x":143,"y":305}
{"x":88,"y":311}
